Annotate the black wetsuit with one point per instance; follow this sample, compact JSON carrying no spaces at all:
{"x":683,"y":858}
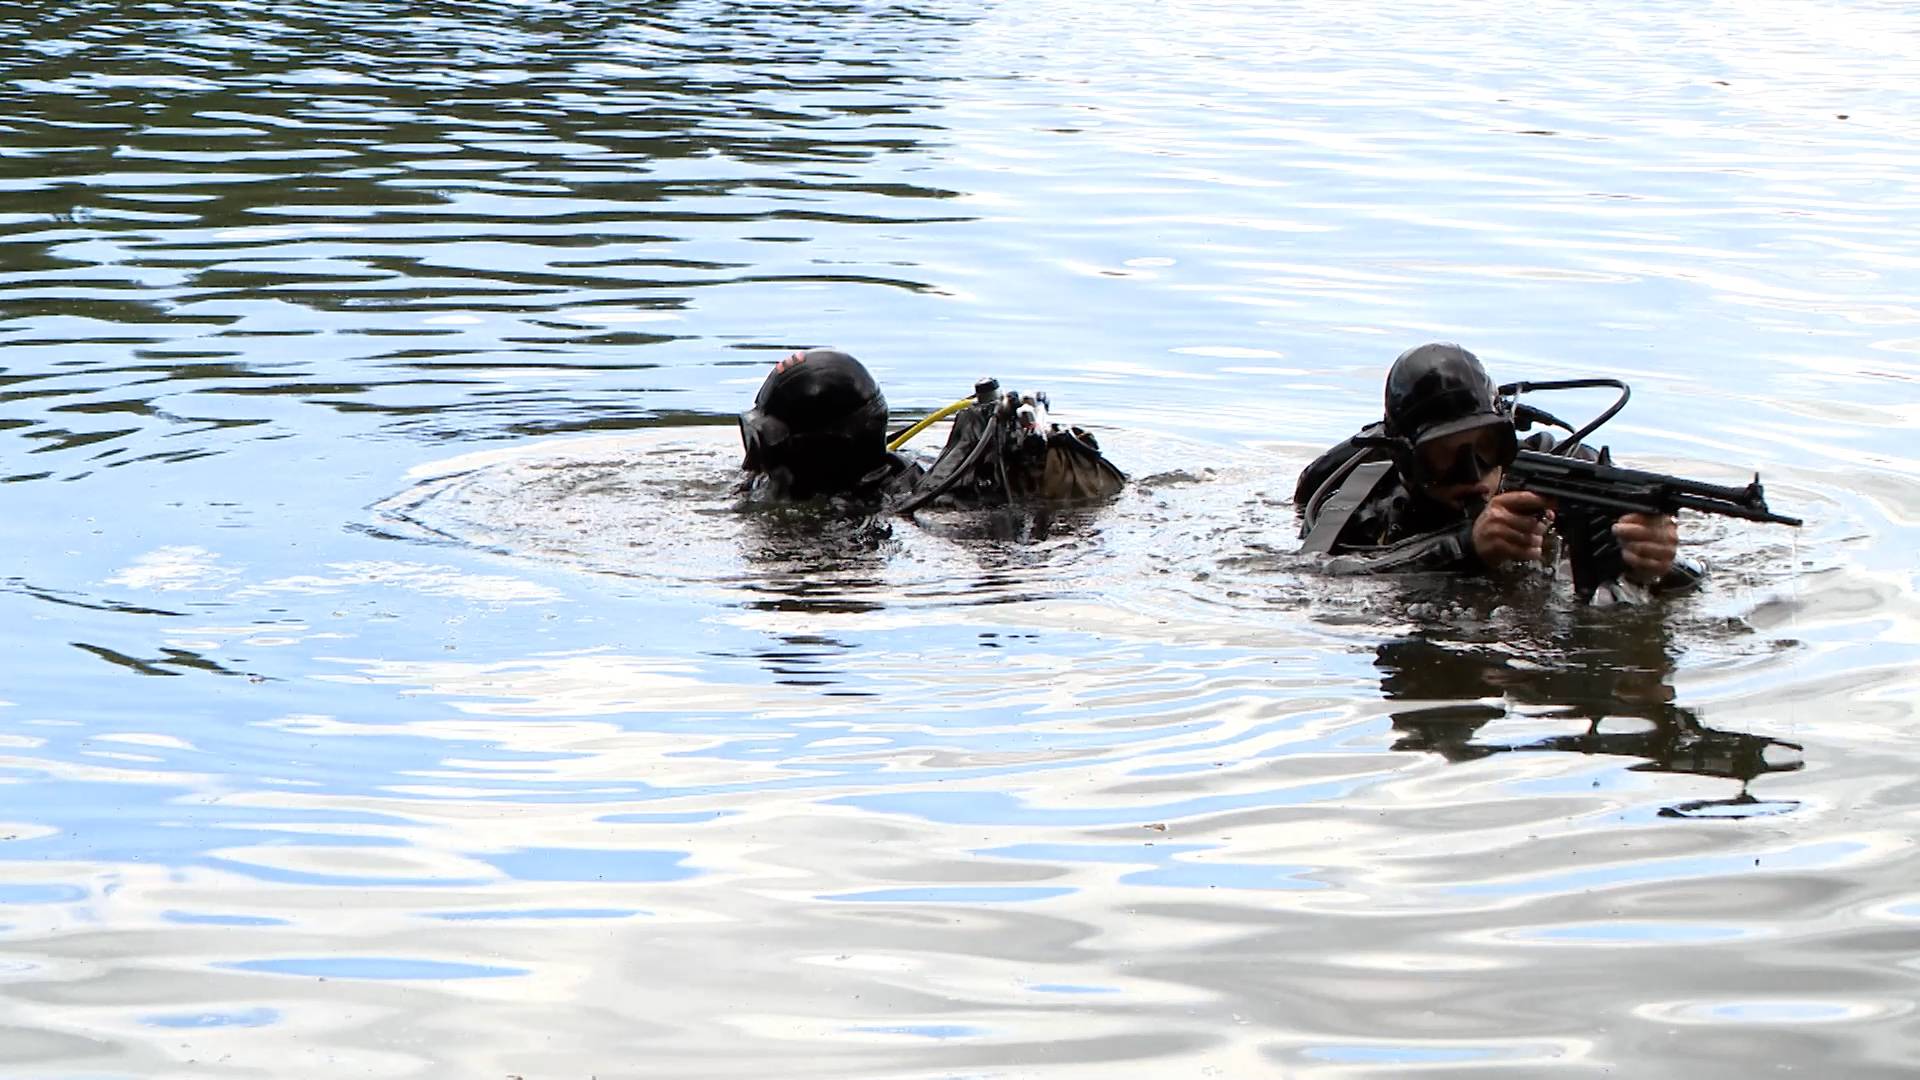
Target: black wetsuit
{"x":889,"y":482}
{"x":1396,"y":529}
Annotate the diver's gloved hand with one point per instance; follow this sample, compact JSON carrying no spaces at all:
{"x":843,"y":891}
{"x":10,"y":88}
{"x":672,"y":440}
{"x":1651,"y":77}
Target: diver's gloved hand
{"x":1512,"y":528}
{"x":1648,"y":545}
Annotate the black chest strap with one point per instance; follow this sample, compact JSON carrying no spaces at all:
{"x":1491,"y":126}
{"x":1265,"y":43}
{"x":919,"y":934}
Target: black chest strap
{"x":1337,"y":509}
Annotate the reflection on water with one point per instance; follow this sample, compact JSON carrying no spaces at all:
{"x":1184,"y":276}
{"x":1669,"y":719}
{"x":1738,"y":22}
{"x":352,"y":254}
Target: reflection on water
{"x":1604,"y":688}
{"x":803,"y":559}
{"x":349,"y":729}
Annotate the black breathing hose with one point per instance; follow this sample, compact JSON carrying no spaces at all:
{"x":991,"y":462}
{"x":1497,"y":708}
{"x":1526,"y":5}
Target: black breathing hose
{"x":1513,"y":390}
{"x":920,"y":499}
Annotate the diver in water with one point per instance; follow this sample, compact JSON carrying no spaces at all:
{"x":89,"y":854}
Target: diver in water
{"x":1421,"y":489}
{"x":818,"y":430}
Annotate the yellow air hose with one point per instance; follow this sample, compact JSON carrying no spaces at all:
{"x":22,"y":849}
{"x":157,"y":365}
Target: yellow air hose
{"x":938,"y":415}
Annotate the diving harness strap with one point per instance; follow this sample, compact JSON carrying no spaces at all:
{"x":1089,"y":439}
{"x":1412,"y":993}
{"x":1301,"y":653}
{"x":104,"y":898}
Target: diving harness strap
{"x":1338,"y":508}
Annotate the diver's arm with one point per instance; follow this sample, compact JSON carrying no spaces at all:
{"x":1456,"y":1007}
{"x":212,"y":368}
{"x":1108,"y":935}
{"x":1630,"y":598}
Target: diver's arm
{"x":1512,"y":528}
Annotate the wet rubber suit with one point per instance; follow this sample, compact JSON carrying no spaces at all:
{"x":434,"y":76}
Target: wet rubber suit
{"x":886,"y":484}
{"x":818,"y":430}
{"x":1394,"y":529}
{"x":876,"y":490}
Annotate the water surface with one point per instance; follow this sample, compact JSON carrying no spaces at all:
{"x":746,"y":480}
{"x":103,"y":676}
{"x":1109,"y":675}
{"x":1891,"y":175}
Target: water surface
{"x":392,"y":690}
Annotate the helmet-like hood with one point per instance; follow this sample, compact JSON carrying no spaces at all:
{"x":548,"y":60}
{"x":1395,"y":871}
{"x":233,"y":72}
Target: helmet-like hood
{"x":1438,"y":390}
{"x":821,"y":417}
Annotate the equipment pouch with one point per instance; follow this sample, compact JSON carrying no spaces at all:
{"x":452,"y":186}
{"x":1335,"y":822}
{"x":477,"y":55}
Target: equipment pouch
{"x":1071,"y":469}
{"x":990,"y":460}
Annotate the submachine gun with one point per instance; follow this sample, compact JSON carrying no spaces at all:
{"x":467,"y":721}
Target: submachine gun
{"x":1591,"y":492}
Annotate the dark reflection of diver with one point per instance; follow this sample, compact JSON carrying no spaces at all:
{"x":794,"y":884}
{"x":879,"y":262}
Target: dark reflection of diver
{"x":808,"y":558}
{"x":1611,"y":669}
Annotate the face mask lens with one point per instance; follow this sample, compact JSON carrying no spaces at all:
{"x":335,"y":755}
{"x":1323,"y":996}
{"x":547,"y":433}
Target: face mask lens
{"x":1467,"y":462}
{"x":750,"y":441}
{"x":1464,"y":468}
{"x":1497,"y":448}
{"x":761,"y":436}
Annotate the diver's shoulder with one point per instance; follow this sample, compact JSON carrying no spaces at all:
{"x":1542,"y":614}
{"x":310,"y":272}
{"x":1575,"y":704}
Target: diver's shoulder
{"x":1332,"y":461}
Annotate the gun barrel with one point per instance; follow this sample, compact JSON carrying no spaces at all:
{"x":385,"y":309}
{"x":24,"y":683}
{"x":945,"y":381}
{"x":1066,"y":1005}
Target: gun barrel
{"x":1634,"y":491}
{"x":1735,"y":509}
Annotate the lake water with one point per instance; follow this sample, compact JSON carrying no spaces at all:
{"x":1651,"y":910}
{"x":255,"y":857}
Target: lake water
{"x":389,"y":690}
